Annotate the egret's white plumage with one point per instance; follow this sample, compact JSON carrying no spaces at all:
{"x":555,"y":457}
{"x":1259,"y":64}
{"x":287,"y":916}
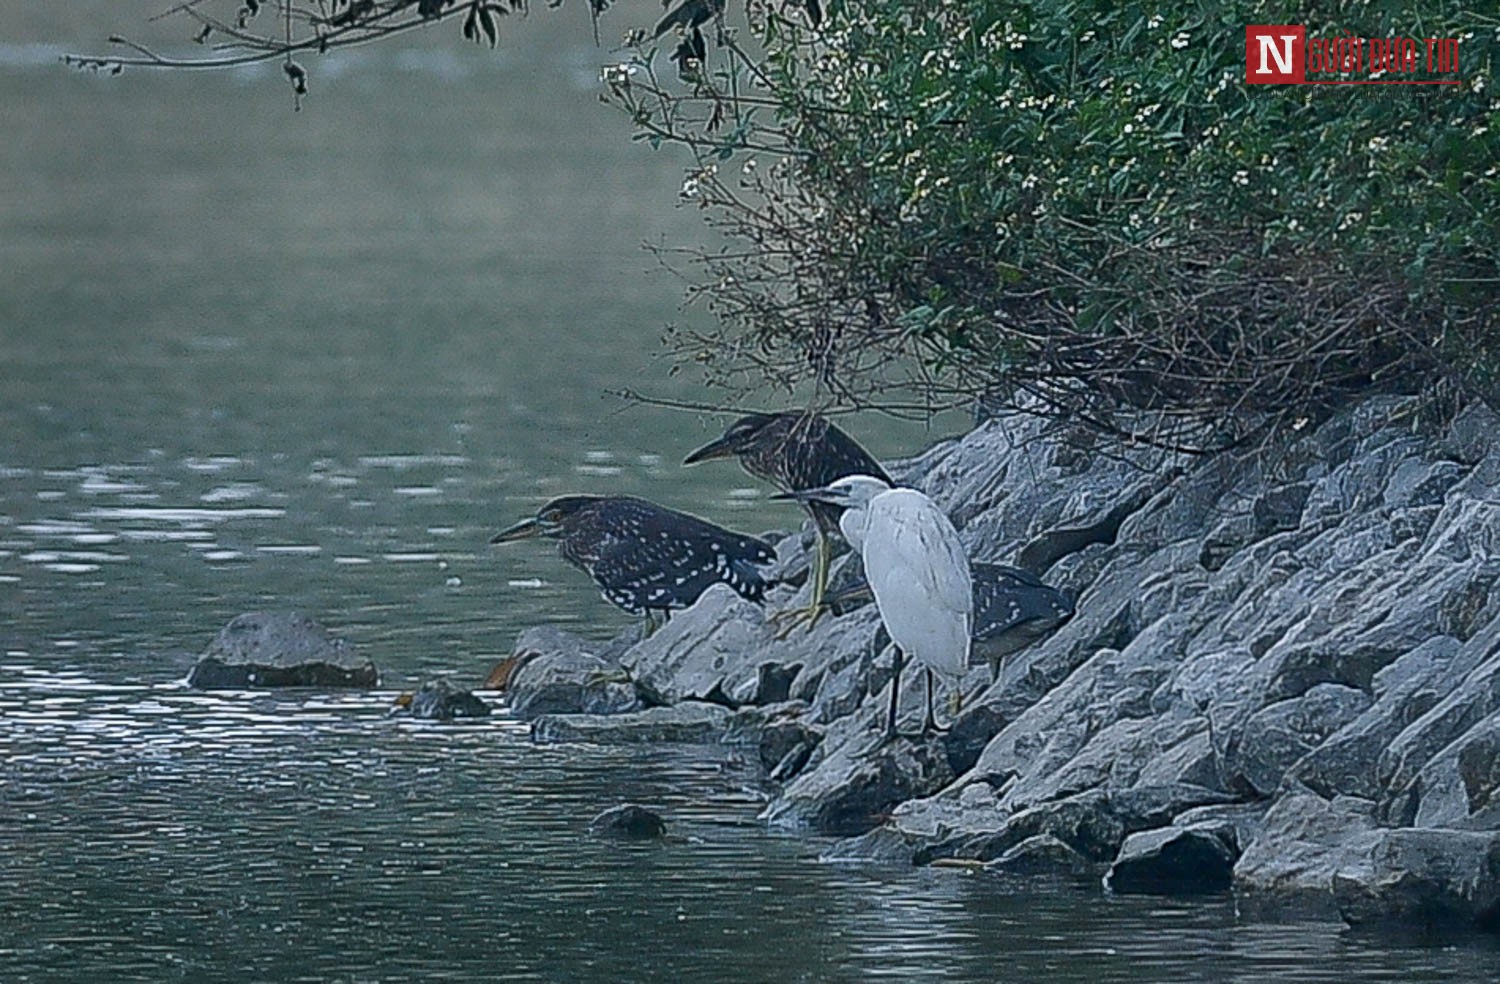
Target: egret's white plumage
{"x":916,"y":568}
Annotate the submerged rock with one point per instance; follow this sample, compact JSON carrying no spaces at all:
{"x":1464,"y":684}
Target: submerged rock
{"x":688,"y":723}
{"x":1042,"y":854}
{"x":439,"y":700}
{"x":629,"y":821}
{"x":279,"y":649}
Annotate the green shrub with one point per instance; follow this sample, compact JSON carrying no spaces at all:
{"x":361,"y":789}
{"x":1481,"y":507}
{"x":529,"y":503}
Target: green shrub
{"x":1084,"y":202}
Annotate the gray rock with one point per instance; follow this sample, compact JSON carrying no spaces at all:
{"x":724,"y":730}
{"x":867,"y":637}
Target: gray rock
{"x":1459,"y":786}
{"x":1472,"y":678}
{"x":1422,"y":880}
{"x":1175,"y":860}
{"x":855,"y":786}
{"x":787,"y":736}
{"x":710,"y":650}
{"x":1347,"y":762}
{"x":629,"y":821}
{"x":885,"y":844}
{"x":1288,"y":869}
{"x":1416,"y":482}
{"x":1086,"y":822}
{"x":1240,"y":823}
{"x":691,"y":723}
{"x":1042,"y":854}
{"x":557,"y":674}
{"x":1277,"y":737}
{"x":439,"y":700}
{"x":1471,"y":434}
{"x":279,"y":649}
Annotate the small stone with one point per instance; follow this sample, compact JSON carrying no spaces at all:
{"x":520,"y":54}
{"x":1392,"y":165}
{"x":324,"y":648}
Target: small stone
{"x":629,"y":821}
{"x":438,"y":700}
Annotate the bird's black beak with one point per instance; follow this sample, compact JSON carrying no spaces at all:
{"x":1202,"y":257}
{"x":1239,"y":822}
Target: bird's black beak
{"x":713,"y":449}
{"x":525,"y":528}
{"x":804,"y":496}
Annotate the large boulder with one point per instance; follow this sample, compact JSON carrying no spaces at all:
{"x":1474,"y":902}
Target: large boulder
{"x":1176,"y":860}
{"x":1424,"y":880}
{"x":280,"y":649}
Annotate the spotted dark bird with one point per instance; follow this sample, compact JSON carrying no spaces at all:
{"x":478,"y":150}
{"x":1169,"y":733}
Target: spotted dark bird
{"x":795,"y":451}
{"x":1012,"y":610}
{"x":646,"y":558}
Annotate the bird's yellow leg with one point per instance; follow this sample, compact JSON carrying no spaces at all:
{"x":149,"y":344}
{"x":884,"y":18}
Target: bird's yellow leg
{"x":955,"y":704}
{"x":651,"y":625}
{"x":791,"y":618}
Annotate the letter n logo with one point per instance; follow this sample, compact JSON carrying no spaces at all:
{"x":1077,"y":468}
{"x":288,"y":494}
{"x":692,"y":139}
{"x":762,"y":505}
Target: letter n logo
{"x":1273,"y":53}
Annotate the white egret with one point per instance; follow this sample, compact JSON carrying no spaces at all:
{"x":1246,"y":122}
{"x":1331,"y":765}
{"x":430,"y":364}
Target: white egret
{"x":918,"y":572}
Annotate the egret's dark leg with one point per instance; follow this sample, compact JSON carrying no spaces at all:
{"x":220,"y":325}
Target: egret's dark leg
{"x":929,"y":722}
{"x":890,"y":724}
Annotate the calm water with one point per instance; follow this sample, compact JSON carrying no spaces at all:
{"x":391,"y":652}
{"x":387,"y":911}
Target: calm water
{"x":251,"y":358}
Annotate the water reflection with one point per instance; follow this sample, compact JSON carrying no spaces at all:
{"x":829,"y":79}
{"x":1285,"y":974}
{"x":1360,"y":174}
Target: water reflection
{"x":155,"y":831}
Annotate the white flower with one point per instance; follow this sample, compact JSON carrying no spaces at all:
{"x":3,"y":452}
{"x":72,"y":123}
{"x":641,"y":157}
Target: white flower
{"x":1129,"y":127}
{"x":1154,"y":22}
{"x":1478,"y":84}
{"x":1086,"y":37}
{"x":617,"y":74}
{"x":1181,"y":40}
{"x":1378,"y":144}
{"x":1242,"y":177}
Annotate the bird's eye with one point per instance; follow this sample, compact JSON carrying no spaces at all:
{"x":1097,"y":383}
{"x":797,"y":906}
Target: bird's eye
{"x":552,"y":516}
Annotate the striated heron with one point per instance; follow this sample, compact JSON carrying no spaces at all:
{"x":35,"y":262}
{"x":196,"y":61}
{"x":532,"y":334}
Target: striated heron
{"x":1012,"y":610}
{"x":646,"y":558}
{"x":794,"y":451}
{"x":918,"y":571}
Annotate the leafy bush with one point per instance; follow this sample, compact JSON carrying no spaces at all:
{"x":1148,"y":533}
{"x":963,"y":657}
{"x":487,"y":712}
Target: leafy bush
{"x":1083,"y":202}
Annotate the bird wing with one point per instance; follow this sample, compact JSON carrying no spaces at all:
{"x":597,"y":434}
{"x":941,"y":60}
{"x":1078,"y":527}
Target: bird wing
{"x":920,"y":576}
{"x":922,"y":544}
{"x":667,"y":559}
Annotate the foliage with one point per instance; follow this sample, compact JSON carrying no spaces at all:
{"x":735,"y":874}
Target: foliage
{"x":1083,"y":202}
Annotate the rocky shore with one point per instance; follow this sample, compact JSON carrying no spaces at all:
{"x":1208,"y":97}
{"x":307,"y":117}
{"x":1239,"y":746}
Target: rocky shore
{"x":1283,"y":676}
